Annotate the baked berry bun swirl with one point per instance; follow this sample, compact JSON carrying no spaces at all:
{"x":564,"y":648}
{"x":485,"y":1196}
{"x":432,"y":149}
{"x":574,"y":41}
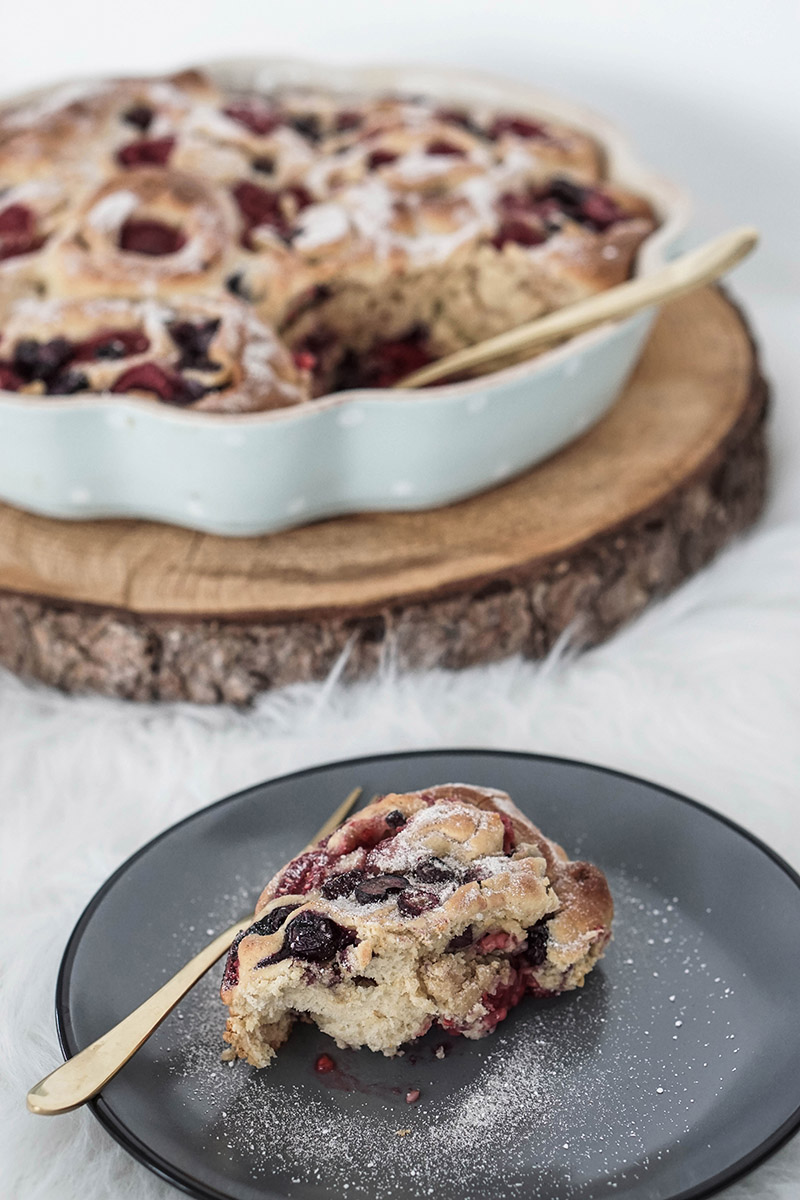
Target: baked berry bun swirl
{"x":243,"y":138}
{"x":147,"y":231}
{"x":374,"y":233}
{"x":98,"y":126}
{"x":440,"y":907}
{"x":207,"y":355}
{"x":355,"y":130}
{"x":537,"y":150}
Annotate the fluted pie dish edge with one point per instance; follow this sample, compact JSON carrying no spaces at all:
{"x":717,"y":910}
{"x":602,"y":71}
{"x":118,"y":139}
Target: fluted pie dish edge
{"x":85,"y":457}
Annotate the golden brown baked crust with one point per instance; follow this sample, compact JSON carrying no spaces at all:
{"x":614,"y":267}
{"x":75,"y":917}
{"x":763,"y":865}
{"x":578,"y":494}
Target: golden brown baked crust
{"x":373,"y":233}
{"x":442,"y":906}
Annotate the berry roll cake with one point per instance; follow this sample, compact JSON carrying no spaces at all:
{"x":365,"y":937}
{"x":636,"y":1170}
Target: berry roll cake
{"x":208,"y":355}
{"x":441,"y":907}
{"x":371,"y":234}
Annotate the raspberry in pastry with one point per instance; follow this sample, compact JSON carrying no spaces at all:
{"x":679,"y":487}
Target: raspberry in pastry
{"x":208,"y":355}
{"x":147,"y":231}
{"x":440,"y":907}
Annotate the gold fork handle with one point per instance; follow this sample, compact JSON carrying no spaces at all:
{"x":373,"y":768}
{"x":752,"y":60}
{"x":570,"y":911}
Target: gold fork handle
{"x":81,"y":1077}
{"x":84,"y":1075}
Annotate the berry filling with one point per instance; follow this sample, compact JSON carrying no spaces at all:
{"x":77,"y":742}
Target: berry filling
{"x":304,"y":873}
{"x":379,"y":887}
{"x":529,"y":218}
{"x":461,"y":118}
{"x":497,"y":939}
{"x":522,"y":127}
{"x":433,"y":870}
{"x":271,"y":923}
{"x":589,"y":206}
{"x":277,"y":210}
{"x":308,"y":125}
{"x":415,"y":901}
{"x":304,"y":360}
{"x":47,"y":362}
{"x":194,"y":340}
{"x":111,"y":344}
{"x":316,"y":868}
{"x":9,"y":380}
{"x":509,"y":837}
{"x":520,"y":232}
{"x":153,"y":153}
{"x":167,"y":385}
{"x":140,"y":116}
{"x":364,"y":834}
{"x":67,"y":383}
{"x":41,"y":360}
{"x":384,"y":364}
{"x":264,"y":164}
{"x":311,"y":937}
{"x":381,"y":158}
{"x":337,"y":887}
{"x":461,"y":940}
{"x":154,"y":238}
{"x":237,"y":286}
{"x":348,"y":119}
{"x":440,"y":146}
{"x":600,"y":210}
{"x":499,"y":1003}
{"x":538,"y":936}
{"x":18,"y":231}
{"x":254,"y":115}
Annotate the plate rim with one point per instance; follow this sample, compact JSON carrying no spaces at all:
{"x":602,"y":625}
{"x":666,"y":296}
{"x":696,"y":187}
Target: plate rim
{"x":202,"y":1191}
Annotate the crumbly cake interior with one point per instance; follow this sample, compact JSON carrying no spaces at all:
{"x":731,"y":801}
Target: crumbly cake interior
{"x":361,"y":237}
{"x":440,"y":907}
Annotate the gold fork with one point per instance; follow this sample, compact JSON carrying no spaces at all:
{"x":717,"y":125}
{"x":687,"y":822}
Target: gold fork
{"x":683,"y":274}
{"x":87,"y":1073}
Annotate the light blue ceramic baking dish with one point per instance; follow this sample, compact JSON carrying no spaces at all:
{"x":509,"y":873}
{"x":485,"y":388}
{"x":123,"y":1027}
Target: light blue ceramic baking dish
{"x":96,"y":456}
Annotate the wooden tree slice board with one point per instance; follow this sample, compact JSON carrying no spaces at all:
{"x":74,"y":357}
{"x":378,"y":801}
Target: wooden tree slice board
{"x":581,"y":542}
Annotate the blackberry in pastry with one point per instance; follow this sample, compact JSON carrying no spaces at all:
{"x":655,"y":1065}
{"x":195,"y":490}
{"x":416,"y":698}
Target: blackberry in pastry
{"x":208,"y":355}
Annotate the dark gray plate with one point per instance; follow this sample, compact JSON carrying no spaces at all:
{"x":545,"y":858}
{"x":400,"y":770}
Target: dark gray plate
{"x":674,"y":1071}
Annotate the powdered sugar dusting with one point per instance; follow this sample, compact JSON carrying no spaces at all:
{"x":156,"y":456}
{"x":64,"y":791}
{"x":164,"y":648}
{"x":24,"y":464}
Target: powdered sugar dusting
{"x":51,"y":101}
{"x":572,"y":1098}
{"x":321,"y":225}
{"x":109,"y":213}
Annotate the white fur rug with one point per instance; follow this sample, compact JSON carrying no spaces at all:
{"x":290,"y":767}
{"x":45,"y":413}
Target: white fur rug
{"x":700,"y":694}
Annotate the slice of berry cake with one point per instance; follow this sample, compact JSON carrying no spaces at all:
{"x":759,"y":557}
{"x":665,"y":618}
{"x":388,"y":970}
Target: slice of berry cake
{"x":440,"y":907}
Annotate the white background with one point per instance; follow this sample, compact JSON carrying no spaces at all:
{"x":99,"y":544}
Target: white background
{"x":702,"y":694}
